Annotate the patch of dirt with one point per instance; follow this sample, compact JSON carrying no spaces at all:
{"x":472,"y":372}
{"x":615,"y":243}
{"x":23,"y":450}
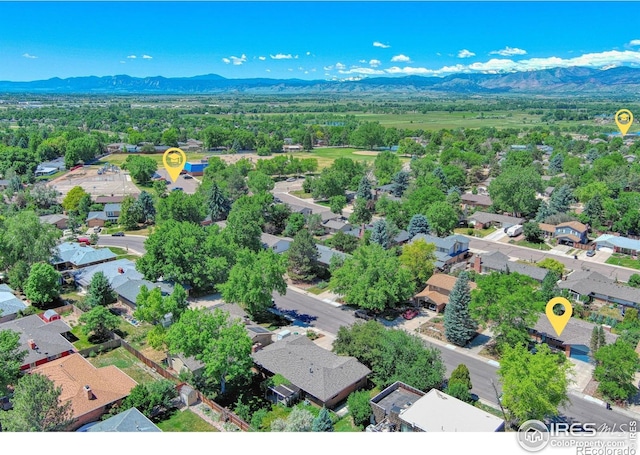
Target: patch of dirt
{"x":152,"y":354}
{"x":591,"y":388}
{"x":366,"y":153}
{"x":433,"y":330}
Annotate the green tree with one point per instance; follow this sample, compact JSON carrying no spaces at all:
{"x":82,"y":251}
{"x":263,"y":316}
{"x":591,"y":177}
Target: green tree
{"x":147,"y":207}
{"x":532,"y":232}
{"x":84,"y":206}
{"x":385,"y":166}
{"x":244,"y":223}
{"x":561,"y":199}
{"x":344,"y":242}
{"x":298,"y":420}
{"x":170,"y":137}
{"x":152,"y":306}
{"x":553,"y":265}
{"x":100,"y":291}
{"x":141,"y":168}
{"x":507,"y":303}
{"x":373,"y":278}
{"x":253,"y":279}
{"x":634,"y":280}
{"x":151,"y":398}
{"x":514,"y":190}
{"x":323,"y":422}
{"x":597,"y":339}
{"x":295,"y":222}
{"x":222,"y":345}
{"x":43,"y":284}
{"x":418,"y":225}
{"x":259,"y":182}
{"x":381,"y":234}
{"x":99,"y":321}
{"x":616,"y":366}
{"x":37,"y":406}
{"x":442,"y":218}
{"x":419,"y":258}
{"x":303,"y":257}
{"x":549,"y":287}
{"x":461,"y":375}
{"x":337,"y":203}
{"x":11,"y":358}
{"x":130,"y":213}
{"x":361,"y":212}
{"x":359,"y":408}
{"x":364,"y":189}
{"x":307,"y":142}
{"x":400,"y":183}
{"x":72,"y":200}
{"x":459,"y":327}
{"x":458,"y":390}
{"x":180,"y":206}
{"x":218,"y":205}
{"x":533,"y":385}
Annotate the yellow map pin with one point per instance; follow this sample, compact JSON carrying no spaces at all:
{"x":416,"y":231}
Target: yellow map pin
{"x":624,"y":120}
{"x":559,"y":322}
{"x":174,"y":160}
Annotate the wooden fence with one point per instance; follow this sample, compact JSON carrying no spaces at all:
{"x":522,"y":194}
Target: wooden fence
{"x":226,"y":415}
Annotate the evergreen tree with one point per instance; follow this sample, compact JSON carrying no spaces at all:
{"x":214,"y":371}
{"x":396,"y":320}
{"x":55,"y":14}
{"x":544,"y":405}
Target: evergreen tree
{"x":561,"y":199}
{"x":400,"y":183}
{"x":459,"y":327}
{"x":418,"y":225}
{"x":549,"y":287}
{"x":461,"y":375}
{"x":303,"y":257}
{"x":380,"y":234}
{"x":601,"y":338}
{"x":364,"y":189}
{"x":594,"y":211}
{"x":439,"y":174}
{"x":361,"y":213}
{"x":100,"y":292}
{"x":145,"y":201}
{"x":323,"y":422}
{"x":544,"y":212}
{"x":307,"y":142}
{"x":218,"y":205}
{"x":555,"y":163}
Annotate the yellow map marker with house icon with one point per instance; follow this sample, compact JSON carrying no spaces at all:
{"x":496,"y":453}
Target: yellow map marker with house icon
{"x":559,"y":322}
{"x":174,"y":160}
{"x":624,"y":120}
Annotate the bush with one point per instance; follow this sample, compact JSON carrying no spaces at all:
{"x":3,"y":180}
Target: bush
{"x":359,"y":408}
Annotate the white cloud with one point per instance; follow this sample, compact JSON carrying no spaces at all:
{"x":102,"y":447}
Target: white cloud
{"x":340,"y":66}
{"x":400,"y":58}
{"x":438,"y":54}
{"x":226,"y":60}
{"x":370,"y":71}
{"x":308,"y":53}
{"x":27,"y":55}
{"x":122,"y":61}
{"x":262,"y":58}
{"x":634,"y":42}
{"x":362,"y":61}
{"x":268,"y":70}
{"x":238,"y":60}
{"x":281,"y":56}
{"x":465,"y":53}
{"x":131,"y":56}
{"x":148,"y":57}
{"x":509,"y":51}
{"x":374,"y":63}
{"x":379,"y":44}
{"x":327,"y":68}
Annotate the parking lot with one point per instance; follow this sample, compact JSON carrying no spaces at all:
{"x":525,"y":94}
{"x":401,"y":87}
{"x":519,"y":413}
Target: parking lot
{"x":188,"y":185}
{"x":115,"y":183}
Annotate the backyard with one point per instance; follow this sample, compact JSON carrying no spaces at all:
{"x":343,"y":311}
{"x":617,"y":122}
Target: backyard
{"x":185,"y":421}
{"x":129,"y":364}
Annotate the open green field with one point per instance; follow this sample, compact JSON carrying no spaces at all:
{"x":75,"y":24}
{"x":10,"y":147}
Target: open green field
{"x":327,"y":155}
{"x":185,"y":421}
{"x":125,"y":361}
{"x":119,"y":158}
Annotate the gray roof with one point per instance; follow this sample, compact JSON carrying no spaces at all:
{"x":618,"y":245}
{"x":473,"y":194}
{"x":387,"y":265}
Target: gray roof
{"x":234,"y":310}
{"x":485,"y":217}
{"x":130,"y":420}
{"x":46,"y":335}
{"x":191,"y":363}
{"x":130,"y":289}
{"x":576,"y":332}
{"x":10,"y":304}
{"x":112,"y":207}
{"x":335,"y":224}
{"x":97,"y":216}
{"x":111,"y":271}
{"x":402,"y":236}
{"x":295,"y":208}
{"x":500,"y":262}
{"x":270,"y":240}
{"x":326,"y":253}
{"x":52,"y":219}
{"x":328,"y":215}
{"x":6,"y":288}
{"x":80,"y":254}
{"x":609,"y":289}
{"x":315,"y":370}
{"x":619,"y":241}
{"x":479,"y":199}
{"x":439,"y":242}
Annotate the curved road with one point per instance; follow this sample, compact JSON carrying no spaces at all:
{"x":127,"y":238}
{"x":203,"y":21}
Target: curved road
{"x":134,"y":243}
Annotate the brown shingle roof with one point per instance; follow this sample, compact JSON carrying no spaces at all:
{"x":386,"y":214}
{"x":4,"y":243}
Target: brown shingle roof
{"x":547,"y":227}
{"x":444,"y":281}
{"x":108,"y":384}
{"x":578,"y":226}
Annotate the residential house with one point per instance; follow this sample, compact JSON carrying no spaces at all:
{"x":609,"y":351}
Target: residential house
{"x":181,"y":363}
{"x":43,"y":341}
{"x":96,"y":219}
{"x":435,"y":295}
{"x":58,"y":220}
{"x":91,"y":391}
{"x":596,"y":289}
{"x":323,"y":377}
{"x":112,"y":199}
{"x":482,"y":220}
{"x":329,"y":215}
{"x":548,"y":230}
{"x":113,"y":211}
{"x":260,"y":337}
{"x":128,"y":291}
{"x":74,"y":255}
{"x":617,"y":244}
{"x":275,"y":243}
{"x":10,"y":305}
{"x":129,"y":421}
{"x":116,"y":272}
{"x":337,"y":225}
{"x":475,"y":201}
{"x":292,"y":148}
{"x":400,"y":407}
{"x":499,"y":262}
{"x":575,"y":339}
{"x":300,"y":209}
{"x":325,"y":254}
{"x":449,"y":250}
{"x":571,"y":233}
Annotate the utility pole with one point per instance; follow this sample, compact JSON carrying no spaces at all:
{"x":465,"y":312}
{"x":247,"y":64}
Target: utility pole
{"x":504,"y":414}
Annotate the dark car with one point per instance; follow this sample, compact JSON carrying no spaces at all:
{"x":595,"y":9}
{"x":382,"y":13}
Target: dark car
{"x":177,"y":188}
{"x":187,"y":176}
{"x":410,"y":313}
{"x":118,"y":234}
{"x":362,"y":314}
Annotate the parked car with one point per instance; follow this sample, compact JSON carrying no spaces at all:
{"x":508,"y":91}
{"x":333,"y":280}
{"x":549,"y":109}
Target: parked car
{"x":187,"y":176}
{"x":410,"y":313}
{"x":591,"y":253}
{"x":97,"y":229}
{"x":177,"y":188}
{"x":118,"y":234}
{"x":362,"y":314}
{"x":291,"y":179}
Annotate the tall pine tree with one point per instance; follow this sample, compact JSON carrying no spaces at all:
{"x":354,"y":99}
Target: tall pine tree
{"x":380,"y":234}
{"x":418,"y":225}
{"x":303,"y":257}
{"x":459,"y":327}
{"x":322,"y":422}
{"x":364,"y":189}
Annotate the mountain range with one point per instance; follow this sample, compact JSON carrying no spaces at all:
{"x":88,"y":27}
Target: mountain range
{"x":556,"y":81}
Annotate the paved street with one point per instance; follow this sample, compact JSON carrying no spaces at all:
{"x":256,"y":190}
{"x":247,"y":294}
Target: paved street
{"x":134,"y":243}
{"x":281,"y":192}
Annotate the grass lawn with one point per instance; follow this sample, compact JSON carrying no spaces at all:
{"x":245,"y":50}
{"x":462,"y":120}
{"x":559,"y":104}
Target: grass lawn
{"x":135,"y":336}
{"x":121,"y":253}
{"x":83,"y":341}
{"x":301,"y":194}
{"x":327,"y":155}
{"x":536,"y":246}
{"x":315,"y":290}
{"x":623,"y":260}
{"x":345,"y":424}
{"x":185,"y":421}
{"x":125,"y":361}
{"x":475,"y":232}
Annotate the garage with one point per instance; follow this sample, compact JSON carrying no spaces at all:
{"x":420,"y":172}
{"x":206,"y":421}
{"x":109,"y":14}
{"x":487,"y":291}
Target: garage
{"x":580,"y":352}
{"x":605,"y":249}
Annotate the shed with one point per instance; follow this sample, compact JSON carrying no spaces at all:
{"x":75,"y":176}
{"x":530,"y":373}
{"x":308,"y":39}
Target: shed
{"x":50,"y":315}
{"x":283,"y":334}
{"x":188,"y":395}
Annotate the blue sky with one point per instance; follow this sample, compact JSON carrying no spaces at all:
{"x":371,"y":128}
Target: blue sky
{"x":311,"y":40}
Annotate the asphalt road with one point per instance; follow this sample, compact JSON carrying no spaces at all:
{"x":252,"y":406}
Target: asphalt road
{"x":309,"y":311}
{"x":280,"y":191}
{"x":529,"y":254}
{"x":132,"y":242}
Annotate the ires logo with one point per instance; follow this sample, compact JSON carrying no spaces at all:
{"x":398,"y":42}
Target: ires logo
{"x":534,"y":435}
